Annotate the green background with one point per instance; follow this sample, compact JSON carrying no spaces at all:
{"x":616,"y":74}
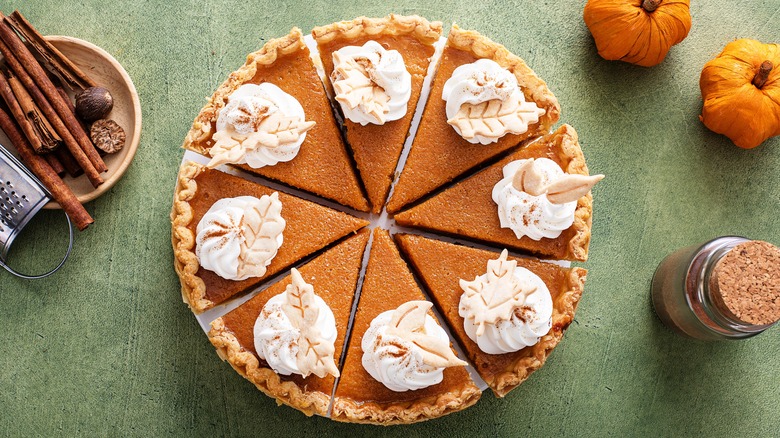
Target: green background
{"x":106,"y":347}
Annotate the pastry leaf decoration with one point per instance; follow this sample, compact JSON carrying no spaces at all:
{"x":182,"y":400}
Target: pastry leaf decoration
{"x":226,"y":149}
{"x":354,"y":86}
{"x":571,"y":187}
{"x":528,"y":179}
{"x":273,"y":130}
{"x":408,"y":322}
{"x":281,"y":130}
{"x":568,"y":188}
{"x":495,"y":118}
{"x":315,"y":354}
{"x":494,"y":297}
{"x":260,"y":228}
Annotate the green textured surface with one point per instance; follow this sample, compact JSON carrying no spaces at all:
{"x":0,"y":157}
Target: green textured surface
{"x":106,"y":347}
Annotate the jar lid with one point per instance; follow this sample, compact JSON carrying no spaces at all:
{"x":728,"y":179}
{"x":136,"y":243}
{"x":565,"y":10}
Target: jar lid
{"x":746,"y":283}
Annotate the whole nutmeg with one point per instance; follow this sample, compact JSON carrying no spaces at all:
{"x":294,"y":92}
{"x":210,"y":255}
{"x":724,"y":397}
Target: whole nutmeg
{"x":107,"y":136}
{"x":93,"y":103}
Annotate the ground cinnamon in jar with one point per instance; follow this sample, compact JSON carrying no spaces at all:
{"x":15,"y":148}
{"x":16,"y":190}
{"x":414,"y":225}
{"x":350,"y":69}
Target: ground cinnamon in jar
{"x":728,"y":288}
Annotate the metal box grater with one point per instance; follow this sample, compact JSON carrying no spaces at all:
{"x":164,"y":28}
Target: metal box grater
{"x":21,"y":196}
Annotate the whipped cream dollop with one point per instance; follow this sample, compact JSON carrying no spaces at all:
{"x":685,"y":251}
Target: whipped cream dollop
{"x":238,"y":237}
{"x":406,"y":349}
{"x":296,"y":331}
{"x":371,"y":83}
{"x":261,"y":125}
{"x":532,"y":215}
{"x":484,"y":103}
{"x":506,"y":309}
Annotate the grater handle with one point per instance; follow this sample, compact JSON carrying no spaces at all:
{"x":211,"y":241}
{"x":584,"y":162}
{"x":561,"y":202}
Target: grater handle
{"x":62,"y":262}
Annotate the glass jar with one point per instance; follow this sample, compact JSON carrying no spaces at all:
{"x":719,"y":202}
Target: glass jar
{"x":684,"y":298}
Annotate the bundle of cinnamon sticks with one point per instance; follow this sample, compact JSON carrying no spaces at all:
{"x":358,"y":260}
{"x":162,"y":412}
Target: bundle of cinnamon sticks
{"x":38,"y":116}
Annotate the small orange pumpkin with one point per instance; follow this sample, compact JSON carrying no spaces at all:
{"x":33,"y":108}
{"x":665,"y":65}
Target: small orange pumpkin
{"x":741,"y":92}
{"x":637,"y":31}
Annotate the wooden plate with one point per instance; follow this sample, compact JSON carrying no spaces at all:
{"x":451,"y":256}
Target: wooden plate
{"x":107,"y":72}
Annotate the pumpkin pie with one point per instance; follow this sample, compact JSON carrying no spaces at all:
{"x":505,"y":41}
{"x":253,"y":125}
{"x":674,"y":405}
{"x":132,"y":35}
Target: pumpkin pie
{"x":334,"y":276}
{"x":322,"y":165}
{"x":377,"y":147}
{"x":467,"y":209}
{"x":309,"y":228}
{"x":439,"y":154}
{"x":441,"y":266}
{"x":360,"y":398}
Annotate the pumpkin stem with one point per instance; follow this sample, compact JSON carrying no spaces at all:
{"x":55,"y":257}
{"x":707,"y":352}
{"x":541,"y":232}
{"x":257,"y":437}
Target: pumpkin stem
{"x":650,"y":5}
{"x":763,"y":74}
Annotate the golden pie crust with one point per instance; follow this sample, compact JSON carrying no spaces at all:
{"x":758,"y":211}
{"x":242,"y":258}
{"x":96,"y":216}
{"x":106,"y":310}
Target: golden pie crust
{"x":439,"y":154}
{"x":425,"y":31}
{"x":323,"y":165}
{"x":334,"y":275}
{"x":310,"y":227}
{"x":466,"y":209}
{"x":440,"y":266}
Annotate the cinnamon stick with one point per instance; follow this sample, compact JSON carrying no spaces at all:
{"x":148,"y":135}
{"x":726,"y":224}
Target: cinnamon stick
{"x":51,"y":115}
{"x":55,"y":164}
{"x":65,"y":97}
{"x":21,"y":118}
{"x":65,"y":157}
{"x":68,"y":162}
{"x":38,"y":165}
{"x":38,"y":74}
{"x":72,"y":107}
{"x":68,"y":102}
{"x":58,"y":63}
{"x":43,"y":128}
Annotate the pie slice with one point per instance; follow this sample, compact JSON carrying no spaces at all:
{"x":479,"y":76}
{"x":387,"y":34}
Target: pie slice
{"x":334,"y":276}
{"x":323,"y":165}
{"x":467,"y":209}
{"x":439,"y":154}
{"x":441,"y":265}
{"x":309,"y":228}
{"x":359,"y":398}
{"x":376,"y":148}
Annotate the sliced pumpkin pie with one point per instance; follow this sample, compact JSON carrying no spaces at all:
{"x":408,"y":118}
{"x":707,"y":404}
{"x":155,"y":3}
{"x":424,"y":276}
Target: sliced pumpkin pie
{"x":376,"y":68}
{"x":537,"y":199}
{"x":484,"y":101}
{"x":389,"y":295}
{"x":542,"y":298}
{"x":229,"y":233}
{"x":272,"y":117}
{"x":252,"y":342}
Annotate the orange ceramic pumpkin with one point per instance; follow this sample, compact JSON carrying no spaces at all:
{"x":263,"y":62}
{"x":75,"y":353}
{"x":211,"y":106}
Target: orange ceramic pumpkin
{"x":637,"y":31}
{"x":741,"y":92}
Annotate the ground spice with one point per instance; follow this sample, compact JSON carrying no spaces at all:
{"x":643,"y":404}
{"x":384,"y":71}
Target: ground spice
{"x":727,"y":288}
